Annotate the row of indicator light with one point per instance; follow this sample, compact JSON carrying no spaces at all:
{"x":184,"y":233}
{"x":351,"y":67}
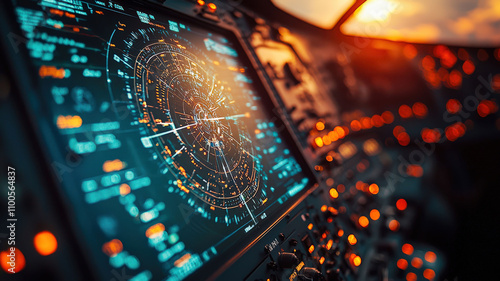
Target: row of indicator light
{"x":440,"y":51}
{"x":211,"y":6}
{"x":376,"y":120}
{"x":53,"y":72}
{"x":61,"y":13}
{"x":338,"y":133}
{"x":45,"y":244}
{"x":447,"y":59}
{"x":416,"y":263}
{"x":452,"y":133}
{"x":361,"y":186}
{"x":484,"y":108}
{"x":418,"y":110}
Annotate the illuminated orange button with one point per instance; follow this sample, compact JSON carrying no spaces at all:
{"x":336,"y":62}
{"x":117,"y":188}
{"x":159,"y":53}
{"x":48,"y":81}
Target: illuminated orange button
{"x":398,"y":130}
{"x":468,"y":67}
{"x":359,"y":185}
{"x":366,"y":123}
{"x":113,"y":165}
{"x":402,"y":264}
{"x":453,"y":132}
{"x":409,"y":51}
{"x":407,"y":249}
{"x":414,"y":170}
{"x":394,"y":225}
{"x":45,"y":243}
{"x":311,"y":249}
{"x":182,"y":260}
{"x":430,"y":135}
{"x":68,"y":122}
{"x":419,"y":109}
{"x":212,"y":7}
{"x":388,"y":117}
{"x":355,"y":125}
{"x":417,"y":262}
{"x":321,"y":260}
{"x":340,"y":132}
{"x":374,"y":214}
{"x":373,"y":188}
{"x":333,"y":210}
{"x":112,"y":248}
{"x":405,"y":111}
{"x":428,"y":63}
{"x":429,"y":274}
{"x":363,"y":221}
{"x":333,"y":193}
{"x":453,"y":106}
{"x":155,"y":229}
{"x":12,"y":262}
{"x":357,"y":261}
{"x":352,"y":239}
{"x":401,"y":204}
{"x":320,"y":126}
{"x":455,"y":78}
{"x":124,"y":189}
{"x":333,"y":136}
{"x":318,"y":141}
{"x":329,"y":244}
{"x":411,"y":276}
{"x":486,"y":107}
{"x":377,"y":121}
{"x":483,"y":110}
{"x":326,"y":140}
{"x":430,"y":257}
{"x":403,"y":139}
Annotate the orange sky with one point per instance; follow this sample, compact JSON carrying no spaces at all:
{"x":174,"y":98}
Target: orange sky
{"x":462,"y":22}
{"x":457,"y":22}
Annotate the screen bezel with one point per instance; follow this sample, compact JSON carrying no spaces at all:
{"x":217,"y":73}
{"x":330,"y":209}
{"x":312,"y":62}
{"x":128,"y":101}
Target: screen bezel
{"x":49,"y":137}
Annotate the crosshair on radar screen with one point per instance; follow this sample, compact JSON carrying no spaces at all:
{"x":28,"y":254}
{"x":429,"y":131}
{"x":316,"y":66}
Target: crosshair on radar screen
{"x":164,"y":149}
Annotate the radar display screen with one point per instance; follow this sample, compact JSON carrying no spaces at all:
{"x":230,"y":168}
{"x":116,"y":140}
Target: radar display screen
{"x":164,"y":143}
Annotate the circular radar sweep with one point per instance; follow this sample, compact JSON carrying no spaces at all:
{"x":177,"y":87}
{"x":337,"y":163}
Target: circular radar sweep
{"x":192,"y":122}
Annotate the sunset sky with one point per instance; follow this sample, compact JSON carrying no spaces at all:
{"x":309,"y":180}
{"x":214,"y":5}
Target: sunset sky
{"x":460,"y":22}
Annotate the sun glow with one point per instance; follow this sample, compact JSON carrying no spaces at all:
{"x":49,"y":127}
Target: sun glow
{"x":376,"y":10}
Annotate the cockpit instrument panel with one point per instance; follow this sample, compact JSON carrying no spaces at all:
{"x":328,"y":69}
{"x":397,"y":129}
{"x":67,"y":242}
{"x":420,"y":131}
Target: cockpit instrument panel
{"x":164,"y":141}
